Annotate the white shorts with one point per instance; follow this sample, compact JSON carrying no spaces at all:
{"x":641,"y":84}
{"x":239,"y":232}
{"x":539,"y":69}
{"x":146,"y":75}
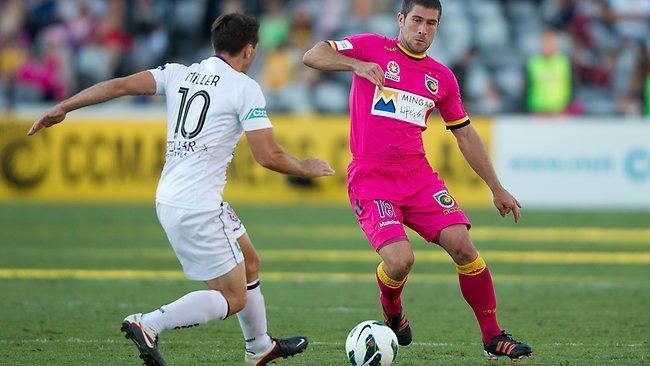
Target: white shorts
{"x":205,"y":242}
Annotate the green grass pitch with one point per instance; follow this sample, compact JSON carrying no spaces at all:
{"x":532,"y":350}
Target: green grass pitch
{"x":578,"y":298}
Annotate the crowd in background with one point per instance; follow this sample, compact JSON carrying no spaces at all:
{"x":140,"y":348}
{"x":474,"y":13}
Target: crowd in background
{"x":538,"y":56}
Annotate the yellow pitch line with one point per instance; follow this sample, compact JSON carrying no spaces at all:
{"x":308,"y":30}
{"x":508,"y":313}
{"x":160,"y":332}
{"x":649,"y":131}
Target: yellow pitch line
{"x":484,"y":233}
{"x":588,"y":234}
{"x":433,"y":255}
{"x":438,"y":256}
{"x":89,"y":274}
{"x":128,"y":274}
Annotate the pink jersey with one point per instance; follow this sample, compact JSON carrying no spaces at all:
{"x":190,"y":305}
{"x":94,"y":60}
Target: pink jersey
{"x":387,"y":124}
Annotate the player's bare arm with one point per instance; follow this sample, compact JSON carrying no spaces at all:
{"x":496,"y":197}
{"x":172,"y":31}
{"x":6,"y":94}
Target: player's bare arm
{"x":322,"y":57}
{"x":268,"y":153}
{"x":474,"y":151}
{"x":141,"y":83}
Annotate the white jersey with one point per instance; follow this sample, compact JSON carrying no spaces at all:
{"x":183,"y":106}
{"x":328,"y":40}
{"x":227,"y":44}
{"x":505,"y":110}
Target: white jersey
{"x":209,"y":105}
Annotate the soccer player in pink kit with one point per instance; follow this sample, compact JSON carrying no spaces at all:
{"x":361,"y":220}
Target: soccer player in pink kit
{"x":395,"y":88}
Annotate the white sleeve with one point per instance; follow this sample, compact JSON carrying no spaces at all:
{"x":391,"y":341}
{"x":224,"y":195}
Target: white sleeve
{"x":163,"y":75}
{"x":252,"y":111}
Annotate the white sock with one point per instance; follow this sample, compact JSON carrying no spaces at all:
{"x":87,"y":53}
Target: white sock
{"x":252,"y":320}
{"x":195,"y":308}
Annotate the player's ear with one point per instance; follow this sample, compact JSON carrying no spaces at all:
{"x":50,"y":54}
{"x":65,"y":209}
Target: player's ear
{"x":248,"y":51}
{"x":400,"y":19}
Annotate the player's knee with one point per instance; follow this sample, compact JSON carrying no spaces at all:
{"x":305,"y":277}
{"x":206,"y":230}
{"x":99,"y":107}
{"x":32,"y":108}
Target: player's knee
{"x":253,"y":263}
{"x":465,"y":252}
{"x":236,"y":301}
{"x":400,"y":266}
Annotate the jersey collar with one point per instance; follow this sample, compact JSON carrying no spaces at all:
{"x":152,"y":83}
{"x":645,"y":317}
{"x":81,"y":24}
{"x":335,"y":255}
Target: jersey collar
{"x":222,"y":59}
{"x":415,"y":56}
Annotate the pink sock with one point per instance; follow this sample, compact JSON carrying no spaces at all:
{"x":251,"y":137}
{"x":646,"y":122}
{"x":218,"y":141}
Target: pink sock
{"x":478,"y":291}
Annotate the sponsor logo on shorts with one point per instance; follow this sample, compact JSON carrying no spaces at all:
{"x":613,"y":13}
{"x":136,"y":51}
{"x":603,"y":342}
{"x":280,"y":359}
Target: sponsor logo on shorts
{"x":389,"y":222}
{"x":431,"y":83}
{"x":392,"y":72}
{"x":444,"y":199}
{"x":450,"y":211}
{"x":232,"y":214}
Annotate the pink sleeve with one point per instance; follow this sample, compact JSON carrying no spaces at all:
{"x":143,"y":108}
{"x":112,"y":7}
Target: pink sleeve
{"x":355,"y":46}
{"x":451,"y":106}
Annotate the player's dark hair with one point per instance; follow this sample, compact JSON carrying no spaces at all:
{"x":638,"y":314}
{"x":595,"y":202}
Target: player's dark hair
{"x":407,"y":5}
{"x":232,"y":32}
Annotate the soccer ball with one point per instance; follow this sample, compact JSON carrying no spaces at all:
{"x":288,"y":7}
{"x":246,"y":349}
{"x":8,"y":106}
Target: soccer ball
{"x":371,"y":343}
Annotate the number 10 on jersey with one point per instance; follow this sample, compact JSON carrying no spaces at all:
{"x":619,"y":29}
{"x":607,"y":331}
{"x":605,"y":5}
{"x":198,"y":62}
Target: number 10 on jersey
{"x":184,"y":111}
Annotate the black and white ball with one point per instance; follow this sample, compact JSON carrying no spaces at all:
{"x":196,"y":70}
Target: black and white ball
{"x":371,"y":343}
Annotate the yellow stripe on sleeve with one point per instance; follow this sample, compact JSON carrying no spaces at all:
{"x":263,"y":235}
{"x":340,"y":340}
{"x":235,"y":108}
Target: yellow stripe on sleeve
{"x":457,"y":122}
{"x":332,"y":45}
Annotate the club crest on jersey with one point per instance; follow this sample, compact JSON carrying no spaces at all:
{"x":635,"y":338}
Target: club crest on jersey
{"x":431,"y":83}
{"x":385,"y":101}
{"x":444,"y":199}
{"x":392,"y":71}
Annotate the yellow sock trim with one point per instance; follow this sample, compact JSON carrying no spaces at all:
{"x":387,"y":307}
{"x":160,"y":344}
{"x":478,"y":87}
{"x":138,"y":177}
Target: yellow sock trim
{"x":385,"y":278}
{"x":472,"y":269}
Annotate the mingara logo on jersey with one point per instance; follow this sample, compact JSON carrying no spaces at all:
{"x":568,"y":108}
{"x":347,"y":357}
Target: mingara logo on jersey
{"x":444,"y":199}
{"x":392,"y":71}
{"x":431,"y":83}
{"x":401,"y":105}
{"x":256,"y":113}
{"x":385,"y":101}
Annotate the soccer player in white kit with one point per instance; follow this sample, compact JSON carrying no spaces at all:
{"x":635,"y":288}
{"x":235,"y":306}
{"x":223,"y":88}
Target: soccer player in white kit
{"x":209,"y":106}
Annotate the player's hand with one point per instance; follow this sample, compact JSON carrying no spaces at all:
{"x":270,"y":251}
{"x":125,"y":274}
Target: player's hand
{"x":506,"y":203}
{"x":50,"y":118}
{"x":370,"y":71}
{"x":314,"y":168}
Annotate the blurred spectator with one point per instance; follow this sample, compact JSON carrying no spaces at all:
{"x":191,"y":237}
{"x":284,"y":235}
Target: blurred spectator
{"x":146,"y":19}
{"x":274,"y":26}
{"x":328,"y":15}
{"x":301,"y":32}
{"x":49,"y":70}
{"x":549,"y":77}
{"x":365,"y":18}
{"x":633,"y":18}
{"x":52,"y":48}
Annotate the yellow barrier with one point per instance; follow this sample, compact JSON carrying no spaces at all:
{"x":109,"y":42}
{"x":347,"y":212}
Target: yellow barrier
{"x":109,"y":161}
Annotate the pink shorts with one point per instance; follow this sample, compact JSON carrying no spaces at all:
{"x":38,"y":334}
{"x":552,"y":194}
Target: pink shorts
{"x":385,"y":197}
